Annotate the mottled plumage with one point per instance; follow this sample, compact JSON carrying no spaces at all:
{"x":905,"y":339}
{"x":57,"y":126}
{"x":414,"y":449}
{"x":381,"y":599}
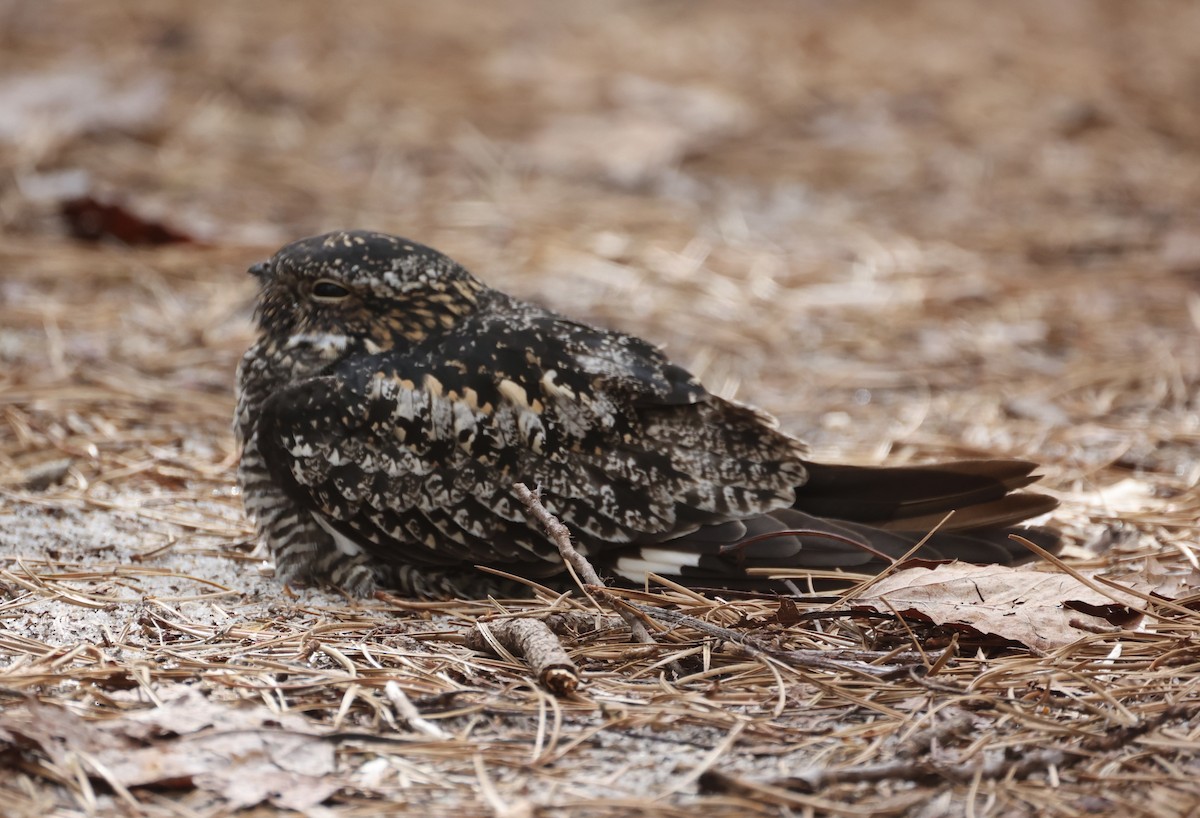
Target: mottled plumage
{"x":393,"y":400}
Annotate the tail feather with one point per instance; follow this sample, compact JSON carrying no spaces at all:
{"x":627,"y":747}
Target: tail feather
{"x":859,"y":520}
{"x":869,"y":494}
{"x":1004,"y":511}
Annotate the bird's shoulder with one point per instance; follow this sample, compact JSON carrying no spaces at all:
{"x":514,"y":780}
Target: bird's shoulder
{"x":555,"y":358}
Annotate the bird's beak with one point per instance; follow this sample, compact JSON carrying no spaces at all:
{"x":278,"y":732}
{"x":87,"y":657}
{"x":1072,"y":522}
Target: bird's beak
{"x":261,"y":271}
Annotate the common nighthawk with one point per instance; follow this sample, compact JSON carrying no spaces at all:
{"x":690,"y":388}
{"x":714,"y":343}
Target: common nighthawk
{"x":393,"y":400}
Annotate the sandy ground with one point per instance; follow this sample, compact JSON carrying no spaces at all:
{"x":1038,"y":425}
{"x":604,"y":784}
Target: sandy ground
{"x":910,"y":230}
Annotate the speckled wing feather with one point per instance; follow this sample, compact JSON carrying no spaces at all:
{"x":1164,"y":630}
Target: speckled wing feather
{"x":413,"y":455}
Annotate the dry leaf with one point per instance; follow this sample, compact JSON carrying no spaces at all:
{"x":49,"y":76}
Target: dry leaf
{"x":1041,"y":610}
{"x":90,"y":219}
{"x":247,"y":755}
{"x":1173,"y":580}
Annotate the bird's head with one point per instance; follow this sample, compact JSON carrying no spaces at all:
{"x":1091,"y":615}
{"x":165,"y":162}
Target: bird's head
{"x":361,"y":290}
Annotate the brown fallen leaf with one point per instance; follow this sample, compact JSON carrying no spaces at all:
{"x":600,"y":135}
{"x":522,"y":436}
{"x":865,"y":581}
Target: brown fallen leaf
{"x":1177,"y":580}
{"x":90,"y":219}
{"x":1041,"y":610}
{"x":246,"y":755}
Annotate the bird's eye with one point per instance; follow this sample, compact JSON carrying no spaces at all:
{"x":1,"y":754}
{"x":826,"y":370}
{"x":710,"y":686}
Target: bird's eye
{"x":326,"y":290}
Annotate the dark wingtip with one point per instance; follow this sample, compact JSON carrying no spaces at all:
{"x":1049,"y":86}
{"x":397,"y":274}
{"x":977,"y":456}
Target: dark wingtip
{"x":260,"y":270}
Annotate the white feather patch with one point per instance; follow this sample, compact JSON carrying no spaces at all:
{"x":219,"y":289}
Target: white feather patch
{"x":343,"y":543}
{"x":655,"y":561}
{"x":326,"y":343}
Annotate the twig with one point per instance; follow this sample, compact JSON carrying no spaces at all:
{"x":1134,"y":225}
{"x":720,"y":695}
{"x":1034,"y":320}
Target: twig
{"x":536,"y":643}
{"x":582,"y":623}
{"x":748,"y":646}
{"x":571,"y":556}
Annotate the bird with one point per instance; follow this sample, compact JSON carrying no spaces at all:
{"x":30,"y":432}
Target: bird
{"x":392,"y":401}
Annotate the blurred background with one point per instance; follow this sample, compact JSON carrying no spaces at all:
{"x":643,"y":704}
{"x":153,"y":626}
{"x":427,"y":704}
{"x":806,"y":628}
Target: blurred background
{"x":909,"y":229}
